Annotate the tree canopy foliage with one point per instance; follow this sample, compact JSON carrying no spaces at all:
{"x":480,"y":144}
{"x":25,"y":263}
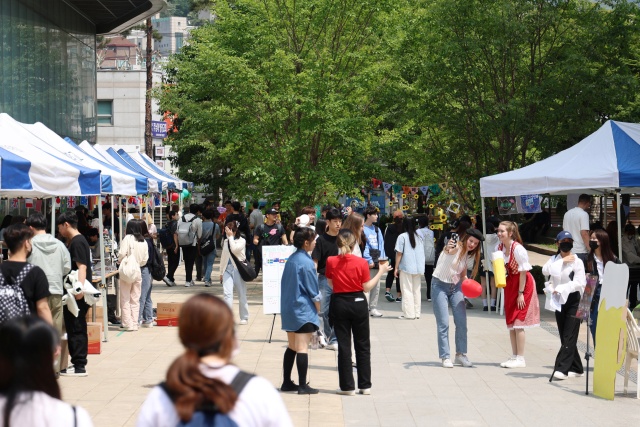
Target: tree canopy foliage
{"x":310,"y":99}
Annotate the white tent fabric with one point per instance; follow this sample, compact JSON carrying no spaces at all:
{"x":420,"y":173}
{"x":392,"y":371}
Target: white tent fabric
{"x":606,"y":160}
{"x":114,"y":181}
{"x":128,"y":163}
{"x":143,"y":159}
{"x":26,"y":170}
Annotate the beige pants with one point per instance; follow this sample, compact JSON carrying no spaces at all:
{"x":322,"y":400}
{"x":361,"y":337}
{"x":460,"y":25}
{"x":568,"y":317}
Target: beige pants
{"x":411,"y":298}
{"x":55,"y":305}
{"x":130,"y":303}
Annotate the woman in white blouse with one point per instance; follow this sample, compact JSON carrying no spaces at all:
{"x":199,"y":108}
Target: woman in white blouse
{"x":521,"y":305}
{"x":446,"y":288}
{"x":229,"y":274}
{"x":567,"y":281}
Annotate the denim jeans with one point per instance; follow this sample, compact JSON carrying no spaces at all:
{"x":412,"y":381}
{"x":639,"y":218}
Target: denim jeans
{"x":326,"y":292}
{"x":442,"y":295}
{"x":146,"y":305}
{"x":207,"y":265}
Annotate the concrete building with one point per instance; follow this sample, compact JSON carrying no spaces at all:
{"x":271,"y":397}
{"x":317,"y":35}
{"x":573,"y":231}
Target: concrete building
{"x":174,"y":31}
{"x":48,"y":71}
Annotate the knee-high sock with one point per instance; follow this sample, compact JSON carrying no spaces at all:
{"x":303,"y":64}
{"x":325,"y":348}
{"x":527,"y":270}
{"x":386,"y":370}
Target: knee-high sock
{"x":287,"y":363}
{"x":302,"y":362}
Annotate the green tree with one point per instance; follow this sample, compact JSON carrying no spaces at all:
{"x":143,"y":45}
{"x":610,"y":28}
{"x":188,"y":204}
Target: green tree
{"x":280,"y":96}
{"x":493,"y":85}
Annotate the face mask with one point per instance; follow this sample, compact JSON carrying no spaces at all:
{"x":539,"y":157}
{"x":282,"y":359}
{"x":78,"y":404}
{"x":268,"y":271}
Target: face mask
{"x":566,"y":246}
{"x":593,"y":244}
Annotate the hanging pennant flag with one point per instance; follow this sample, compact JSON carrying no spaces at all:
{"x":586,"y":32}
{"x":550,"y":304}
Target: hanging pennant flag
{"x":71,"y":202}
{"x":376,"y":182}
{"x":443,"y":185}
{"x":507,"y":206}
{"x":151,"y":203}
{"x":386,"y":186}
{"x":414,"y":190}
{"x":28,"y":203}
{"x":84,"y":201}
{"x":434,"y":189}
{"x":14,"y":203}
{"x":424,"y":189}
{"x":156,"y":199}
{"x":397,"y":188}
{"x":406,"y":189}
{"x":38,"y":204}
{"x":528,"y":204}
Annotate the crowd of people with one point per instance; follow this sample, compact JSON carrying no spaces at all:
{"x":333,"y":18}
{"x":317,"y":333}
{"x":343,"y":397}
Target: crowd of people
{"x":329,"y":292}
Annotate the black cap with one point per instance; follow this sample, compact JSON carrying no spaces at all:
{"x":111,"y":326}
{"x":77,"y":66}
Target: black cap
{"x":474,"y":232}
{"x":271,"y":212}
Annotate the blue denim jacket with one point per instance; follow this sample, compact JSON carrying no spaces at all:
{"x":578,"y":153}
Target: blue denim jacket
{"x":298,"y":291}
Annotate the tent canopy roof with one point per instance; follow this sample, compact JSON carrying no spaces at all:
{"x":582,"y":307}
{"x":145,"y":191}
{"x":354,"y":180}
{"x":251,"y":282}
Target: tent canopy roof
{"x":604,"y":161}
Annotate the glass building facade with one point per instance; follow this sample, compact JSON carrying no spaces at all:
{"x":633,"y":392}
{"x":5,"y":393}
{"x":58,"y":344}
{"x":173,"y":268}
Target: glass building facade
{"x":48,"y":66}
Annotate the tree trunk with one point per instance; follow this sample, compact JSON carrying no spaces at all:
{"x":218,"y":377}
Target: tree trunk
{"x":148,"y":145}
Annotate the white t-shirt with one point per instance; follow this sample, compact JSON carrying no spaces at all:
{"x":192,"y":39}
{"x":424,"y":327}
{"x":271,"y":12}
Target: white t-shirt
{"x":574,"y":221}
{"x":259,"y":404}
{"x":40,"y":409}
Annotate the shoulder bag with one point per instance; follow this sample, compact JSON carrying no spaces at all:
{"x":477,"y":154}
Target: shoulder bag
{"x":247,"y":272}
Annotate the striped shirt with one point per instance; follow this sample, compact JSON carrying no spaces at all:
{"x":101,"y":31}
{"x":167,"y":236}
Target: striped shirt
{"x":448,"y":269}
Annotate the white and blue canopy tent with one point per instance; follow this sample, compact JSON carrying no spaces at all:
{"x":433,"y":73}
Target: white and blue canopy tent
{"x":113,"y":156}
{"x":114,"y":180}
{"x":143,"y":159}
{"x":605,"y":162}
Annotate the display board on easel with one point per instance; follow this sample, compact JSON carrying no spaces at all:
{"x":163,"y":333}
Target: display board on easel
{"x":274,"y":259}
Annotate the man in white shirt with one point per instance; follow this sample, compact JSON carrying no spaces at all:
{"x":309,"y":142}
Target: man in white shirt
{"x":576,"y":222}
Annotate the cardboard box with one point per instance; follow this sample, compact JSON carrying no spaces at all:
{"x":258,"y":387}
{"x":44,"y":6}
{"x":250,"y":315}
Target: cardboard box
{"x":168,"y":313}
{"x":99,"y":314}
{"x":94,"y":335}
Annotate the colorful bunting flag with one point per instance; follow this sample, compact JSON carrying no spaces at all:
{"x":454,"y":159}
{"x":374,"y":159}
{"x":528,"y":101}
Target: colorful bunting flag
{"x":397,"y":188}
{"x":28,"y":203}
{"x":84,"y":201}
{"x":14,"y":203}
{"x":71,"y":202}
{"x":386,"y":186}
{"x":424,"y":189}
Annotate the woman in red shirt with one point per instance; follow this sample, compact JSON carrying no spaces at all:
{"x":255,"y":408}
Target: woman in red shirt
{"x":349,"y":277}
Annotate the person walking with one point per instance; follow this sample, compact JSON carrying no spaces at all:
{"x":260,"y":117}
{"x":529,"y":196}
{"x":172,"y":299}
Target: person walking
{"x":349,"y":277}
{"x":299,"y":307}
{"x":270,"y":233}
{"x":145,"y":317}
{"x":576,"y":222}
{"x":410,"y":262}
{"x":210,"y":234}
{"x":230,"y":276}
{"x":522,"y":308}
{"x":173,"y":248}
{"x":429,"y":251}
{"x":189,"y":231}
{"x":567,"y":280}
{"x":373,"y":252}
{"x":446,"y":284}
{"x":130,"y":290}
{"x":390,"y":237}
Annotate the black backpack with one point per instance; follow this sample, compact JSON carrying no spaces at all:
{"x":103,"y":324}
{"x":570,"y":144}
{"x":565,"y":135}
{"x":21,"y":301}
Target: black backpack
{"x":13,"y":301}
{"x":165,"y":236}
{"x":207,"y":414}
{"x":155,"y":263}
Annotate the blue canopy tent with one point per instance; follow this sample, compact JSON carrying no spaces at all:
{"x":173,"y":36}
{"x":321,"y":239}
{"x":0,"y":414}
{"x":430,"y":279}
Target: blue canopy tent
{"x":144,"y":160}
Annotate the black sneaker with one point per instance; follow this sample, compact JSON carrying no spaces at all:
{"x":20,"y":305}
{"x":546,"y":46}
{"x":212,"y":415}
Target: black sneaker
{"x":493,"y":308}
{"x":305,"y":389}
{"x":389,"y":297}
{"x":289,"y":386}
{"x":399,"y":299}
{"x":485,"y":308}
{"x":77,"y":372}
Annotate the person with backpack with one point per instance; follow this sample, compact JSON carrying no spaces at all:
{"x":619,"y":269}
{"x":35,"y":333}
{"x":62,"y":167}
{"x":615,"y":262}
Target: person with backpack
{"x":189,"y":232}
{"x":373,"y":251}
{"x":24,"y":288}
{"x":207,"y":246}
{"x":229,"y":275}
{"x":133,"y":256}
{"x":203,"y":382}
{"x":168,"y":237}
{"x":29,"y":392}
{"x":269,"y":233}
{"x":429,"y":251}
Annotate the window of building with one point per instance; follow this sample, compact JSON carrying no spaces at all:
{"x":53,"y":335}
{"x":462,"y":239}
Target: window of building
{"x":105,"y":112}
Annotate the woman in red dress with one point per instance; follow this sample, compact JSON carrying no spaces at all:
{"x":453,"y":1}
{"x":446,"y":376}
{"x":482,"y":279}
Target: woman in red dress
{"x":522,"y":309}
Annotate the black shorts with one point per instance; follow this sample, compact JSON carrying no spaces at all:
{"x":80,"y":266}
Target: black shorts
{"x":307,"y":328}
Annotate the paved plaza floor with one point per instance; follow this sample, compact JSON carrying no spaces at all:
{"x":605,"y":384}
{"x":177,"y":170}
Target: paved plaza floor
{"x":410,"y":388}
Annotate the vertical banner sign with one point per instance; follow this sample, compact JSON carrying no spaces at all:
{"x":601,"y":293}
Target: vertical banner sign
{"x":274,"y":259}
{"x":158,"y":129}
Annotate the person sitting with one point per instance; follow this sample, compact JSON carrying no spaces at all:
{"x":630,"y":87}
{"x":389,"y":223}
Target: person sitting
{"x":29,"y":392}
{"x":204,"y":374}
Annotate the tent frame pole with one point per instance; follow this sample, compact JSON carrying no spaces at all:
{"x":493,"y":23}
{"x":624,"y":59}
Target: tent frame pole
{"x":485,"y":254}
{"x":618,"y":216}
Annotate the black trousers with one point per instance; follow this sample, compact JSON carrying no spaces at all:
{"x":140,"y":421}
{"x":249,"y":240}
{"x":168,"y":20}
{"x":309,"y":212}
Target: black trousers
{"x":390,"y":276}
{"x":428,"y":274}
{"x":77,"y":333}
{"x":350,"y":315}
{"x":173,"y":259}
{"x":198,"y":262}
{"x":257,"y":255}
{"x":632,"y":291}
{"x":568,"y":358}
{"x":189,"y":254}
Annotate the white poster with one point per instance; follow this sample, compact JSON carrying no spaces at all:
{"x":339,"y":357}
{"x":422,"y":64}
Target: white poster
{"x":273,"y":260}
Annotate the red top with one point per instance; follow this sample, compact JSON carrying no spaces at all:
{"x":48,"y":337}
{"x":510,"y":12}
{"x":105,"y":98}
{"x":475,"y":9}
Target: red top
{"x":348,"y":273}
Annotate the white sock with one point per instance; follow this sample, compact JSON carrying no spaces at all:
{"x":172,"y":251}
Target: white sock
{"x":484,"y":302}
{"x":493,"y":302}
{"x":520,"y":358}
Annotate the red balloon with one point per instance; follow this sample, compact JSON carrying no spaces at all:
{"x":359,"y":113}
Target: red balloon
{"x":471,"y":288}
{"x":174,"y":197}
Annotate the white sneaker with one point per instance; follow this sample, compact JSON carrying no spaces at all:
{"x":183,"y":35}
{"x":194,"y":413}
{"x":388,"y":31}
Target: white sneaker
{"x":186,"y":285}
{"x":462,"y":359}
{"x":504,"y":364}
{"x":346,"y":392}
{"x":575,"y":374}
{"x":446,"y":363}
{"x":323,"y":341}
{"x":244,"y":322}
{"x":333,"y":346}
{"x":365,"y":391}
{"x":515,"y":363}
{"x":375,"y":313}
{"x":559,"y":375}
